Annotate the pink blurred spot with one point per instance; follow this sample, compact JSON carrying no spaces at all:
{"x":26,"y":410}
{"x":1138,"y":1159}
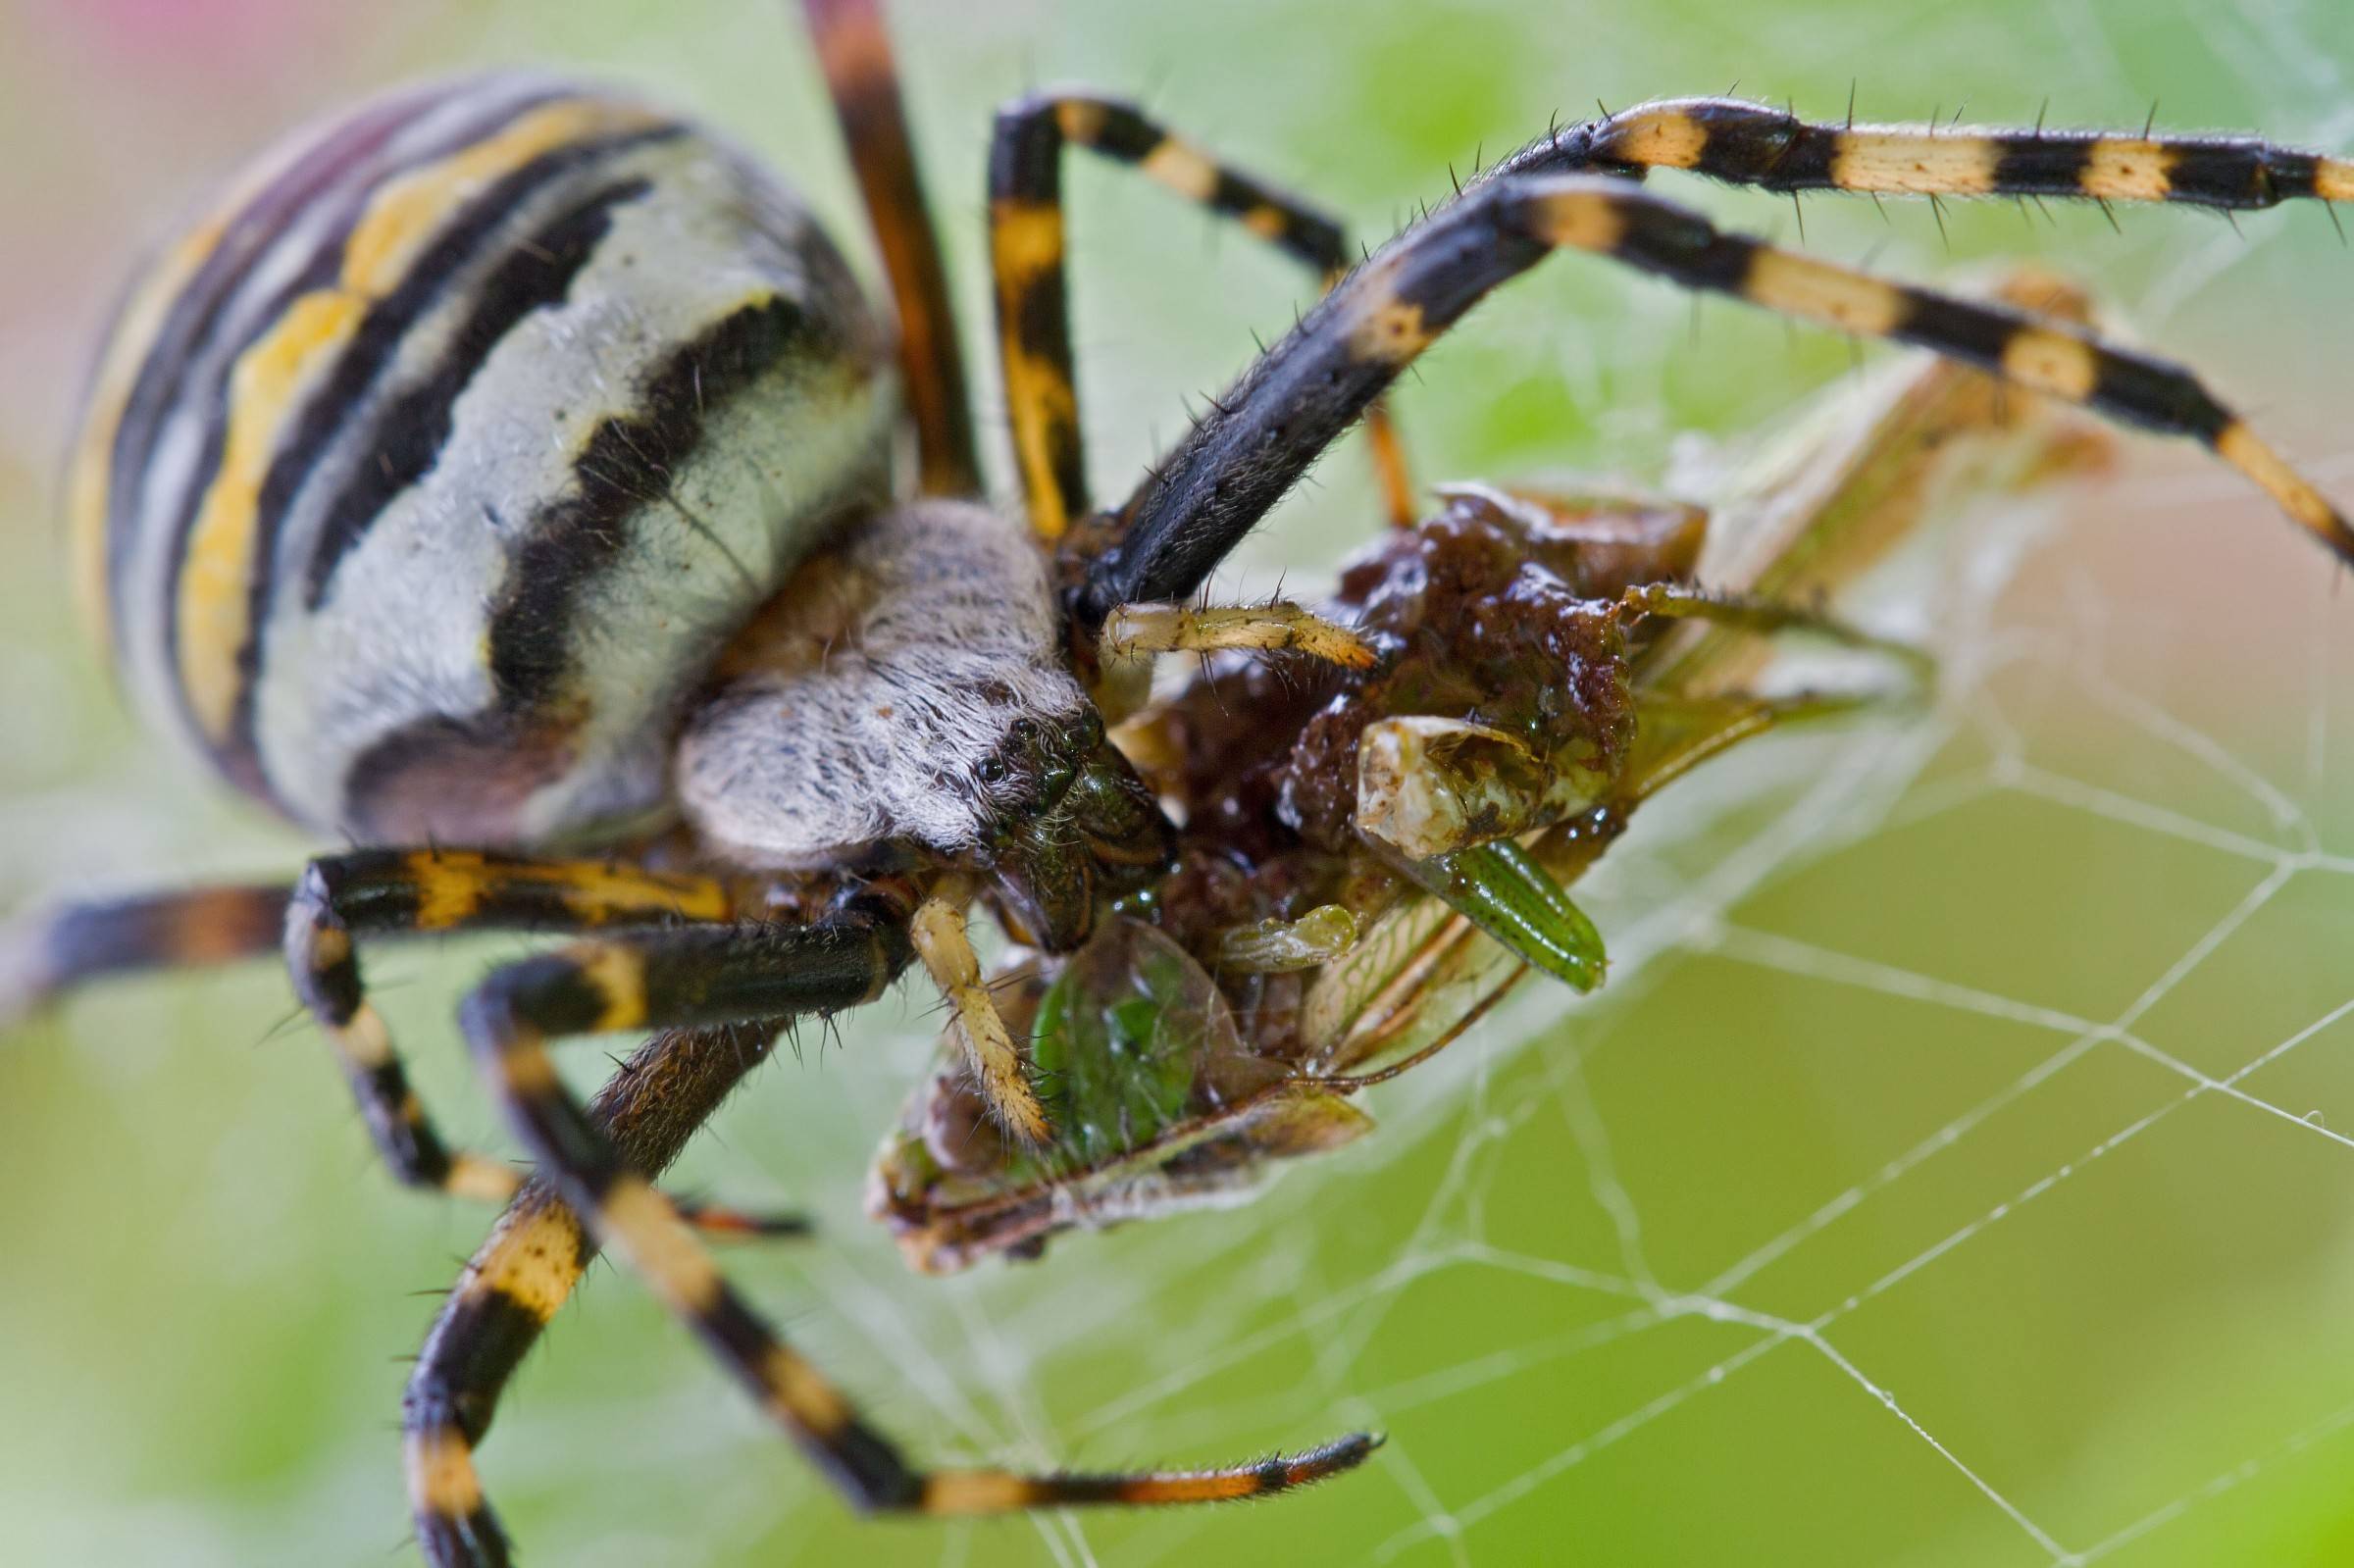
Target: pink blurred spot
{"x":238,"y":38}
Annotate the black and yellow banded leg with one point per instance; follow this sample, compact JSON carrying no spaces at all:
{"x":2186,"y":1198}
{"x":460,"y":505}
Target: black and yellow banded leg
{"x":705,"y":974}
{"x":528,"y":1267}
{"x":1753,"y":144}
{"x":378,"y":892}
{"x":1242,"y":457}
{"x":1026,"y":256}
{"x":853,"y":50}
{"x":48,"y":952}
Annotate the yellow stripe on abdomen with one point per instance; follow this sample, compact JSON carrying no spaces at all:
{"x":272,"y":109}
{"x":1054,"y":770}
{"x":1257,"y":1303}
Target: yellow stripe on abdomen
{"x":409,"y":211}
{"x":216,"y":574}
{"x":89,"y":476}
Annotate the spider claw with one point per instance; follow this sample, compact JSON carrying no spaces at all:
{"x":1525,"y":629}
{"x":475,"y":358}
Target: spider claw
{"x":1282,"y":1473}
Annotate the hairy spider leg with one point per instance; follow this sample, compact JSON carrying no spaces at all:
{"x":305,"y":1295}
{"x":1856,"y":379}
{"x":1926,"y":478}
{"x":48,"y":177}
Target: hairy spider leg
{"x":1752,"y":144}
{"x":372,"y":890}
{"x":1244,"y":455}
{"x":50,"y":951}
{"x":376,"y":893}
{"x":853,"y":51}
{"x":705,"y":974}
{"x":372,"y":893}
{"x":528,"y":1268}
{"x":1026,"y":256}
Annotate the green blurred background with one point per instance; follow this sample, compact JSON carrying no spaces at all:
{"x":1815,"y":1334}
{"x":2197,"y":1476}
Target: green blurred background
{"x":1960,"y":1183}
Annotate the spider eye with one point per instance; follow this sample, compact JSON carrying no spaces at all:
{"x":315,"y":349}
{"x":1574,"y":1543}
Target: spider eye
{"x":1024,"y":730}
{"x":992,"y":770}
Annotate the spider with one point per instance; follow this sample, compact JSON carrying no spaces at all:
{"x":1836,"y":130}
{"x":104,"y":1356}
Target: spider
{"x":509,"y":464}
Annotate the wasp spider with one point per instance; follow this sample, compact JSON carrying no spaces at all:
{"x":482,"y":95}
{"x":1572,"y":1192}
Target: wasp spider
{"x":509,"y":464}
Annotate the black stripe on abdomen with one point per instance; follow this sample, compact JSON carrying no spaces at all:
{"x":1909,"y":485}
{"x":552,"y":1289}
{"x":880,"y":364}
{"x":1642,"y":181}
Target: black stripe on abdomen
{"x":478,"y":771}
{"x":409,"y":433}
{"x":626,"y":463}
{"x":539,"y":280}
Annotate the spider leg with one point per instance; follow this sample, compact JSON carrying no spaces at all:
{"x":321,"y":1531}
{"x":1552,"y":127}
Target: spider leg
{"x":528,"y":1267}
{"x":1026,"y":249}
{"x":1240,"y":458}
{"x":853,"y":50}
{"x":375,"y":890}
{"x":700,"y":975}
{"x":1134,"y":634}
{"x":1752,"y":144}
{"x":46,"y":953}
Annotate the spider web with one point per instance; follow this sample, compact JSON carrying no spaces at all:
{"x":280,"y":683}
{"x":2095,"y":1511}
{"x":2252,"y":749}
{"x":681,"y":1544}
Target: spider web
{"x":1843,"y":1226}
{"x":1948,"y":1174}
{"x":1990,"y":1188}
{"x":1953,"y":1171}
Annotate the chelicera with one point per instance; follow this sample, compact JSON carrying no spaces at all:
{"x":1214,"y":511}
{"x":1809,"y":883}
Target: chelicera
{"x":509,"y":465}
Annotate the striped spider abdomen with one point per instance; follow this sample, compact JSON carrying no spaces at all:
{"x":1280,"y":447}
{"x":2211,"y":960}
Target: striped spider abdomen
{"x":422,"y":478}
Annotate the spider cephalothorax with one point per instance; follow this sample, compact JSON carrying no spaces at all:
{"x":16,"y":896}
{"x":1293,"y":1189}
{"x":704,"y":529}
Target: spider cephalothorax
{"x":508,"y":464}
{"x":906,"y":703}
{"x":885,"y":697}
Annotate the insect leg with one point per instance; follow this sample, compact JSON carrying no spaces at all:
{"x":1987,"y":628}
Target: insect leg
{"x":1679,"y":733}
{"x":1806,"y":514}
{"x":853,"y":50}
{"x":1026,"y":249}
{"x":1764,"y":618}
{"x":1136,"y":630}
{"x":937,"y":929}
{"x":708,"y":973}
{"x":1242,"y":457}
{"x":526,"y":1270}
{"x":1753,"y":144}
